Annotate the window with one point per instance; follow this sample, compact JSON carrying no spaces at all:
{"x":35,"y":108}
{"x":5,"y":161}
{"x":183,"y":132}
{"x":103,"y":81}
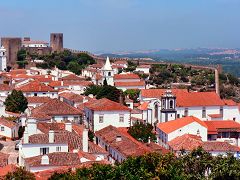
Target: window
{"x":35,"y":94}
{"x":163,"y":104}
{"x":171,"y":104}
{"x":44,"y":151}
{"x":109,"y":73}
{"x":2,"y":128}
{"x":75,"y":118}
{"x":58,"y":148}
{"x":221,"y":111}
{"x":234,"y":119}
{"x":65,"y":118}
{"x":186,"y":112}
{"x":53,"y":118}
{"x":44,"y":93}
{"x":204,"y":112}
{"x":121,"y":118}
{"x":178,"y":115}
{"x":101,"y":119}
{"x":156,"y":111}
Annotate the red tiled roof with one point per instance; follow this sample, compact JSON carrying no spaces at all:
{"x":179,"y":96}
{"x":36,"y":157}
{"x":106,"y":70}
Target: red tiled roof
{"x":185,"y":98}
{"x":173,"y":125}
{"x":7,"y":123}
{"x":219,"y":146}
{"x":143,"y":106}
{"x":157,"y":93}
{"x":215,"y":115}
{"x":55,"y":159}
{"x":72,"y":96}
{"x":199,"y":99}
{"x":126,"y":84}
{"x":187,"y":142}
{"x":7,"y":169}
{"x":56,"y":107}
{"x":77,"y":83}
{"x":120,"y":62}
{"x":3,"y":159}
{"x":214,"y":125}
{"x":18,"y":71}
{"x":5,"y":87}
{"x":190,"y":142}
{"x":72,"y":77}
{"x":37,"y":99}
{"x":36,"y":86}
{"x":229,"y":102}
{"x":144,"y":66}
{"x":126,"y":76}
{"x":128,"y":146}
{"x":105,"y":104}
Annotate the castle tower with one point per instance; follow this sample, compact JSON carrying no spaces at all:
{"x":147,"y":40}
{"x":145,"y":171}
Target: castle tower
{"x":3,"y":59}
{"x":168,"y":106}
{"x":12,"y":46}
{"x":107,"y":72}
{"x":56,"y":42}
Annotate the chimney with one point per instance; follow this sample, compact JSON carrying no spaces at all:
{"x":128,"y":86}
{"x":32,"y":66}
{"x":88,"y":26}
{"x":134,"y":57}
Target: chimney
{"x":45,"y":160}
{"x":118,"y":138}
{"x":68,"y":126}
{"x":85,"y":140}
{"x":61,"y":83}
{"x":149,"y":140}
{"x":90,"y":95}
{"x":32,"y":126}
{"x":51,"y":136}
{"x":25,"y":137}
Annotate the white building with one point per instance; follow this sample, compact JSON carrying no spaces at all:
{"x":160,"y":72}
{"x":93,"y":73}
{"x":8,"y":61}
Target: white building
{"x":30,"y":43}
{"x":8,"y":129}
{"x":3,"y":59}
{"x":104,"y":112}
{"x":188,"y":125}
{"x":35,"y":88}
{"x":203,"y":105}
{"x":143,"y":68}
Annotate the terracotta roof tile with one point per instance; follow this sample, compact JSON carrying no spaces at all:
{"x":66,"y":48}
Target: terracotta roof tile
{"x":187,"y":142}
{"x":73,"y":77}
{"x":5,"y":87}
{"x":105,"y":104}
{"x":157,"y":93}
{"x":126,"y":76}
{"x":6,"y":169}
{"x":143,"y":106}
{"x":219,"y":146}
{"x":37,"y":99}
{"x":126,"y":84}
{"x":56,"y":107}
{"x":215,"y":115}
{"x":7,"y":123}
{"x":55,"y":159}
{"x":173,"y":125}
{"x":229,"y":102}
{"x":214,"y":125}
{"x":36,"y":86}
{"x":3,"y":159}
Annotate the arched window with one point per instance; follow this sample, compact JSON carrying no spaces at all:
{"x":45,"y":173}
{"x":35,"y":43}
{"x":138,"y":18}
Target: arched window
{"x":156,"y":111}
{"x":171,"y":104}
{"x":109,"y":73}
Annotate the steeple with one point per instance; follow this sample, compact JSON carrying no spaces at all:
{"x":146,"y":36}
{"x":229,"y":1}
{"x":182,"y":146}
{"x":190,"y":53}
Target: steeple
{"x":107,"y":66}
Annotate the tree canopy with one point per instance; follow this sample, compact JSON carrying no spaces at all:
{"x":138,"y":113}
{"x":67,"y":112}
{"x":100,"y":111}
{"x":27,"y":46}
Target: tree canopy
{"x":20,"y":174}
{"x":105,"y":91}
{"x":16,"y":102}
{"x":65,"y":60}
{"x":196,"y":165}
{"x":142,"y":132}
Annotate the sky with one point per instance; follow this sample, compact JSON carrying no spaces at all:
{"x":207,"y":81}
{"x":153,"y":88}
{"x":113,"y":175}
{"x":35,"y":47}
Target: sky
{"x":125,"y":25}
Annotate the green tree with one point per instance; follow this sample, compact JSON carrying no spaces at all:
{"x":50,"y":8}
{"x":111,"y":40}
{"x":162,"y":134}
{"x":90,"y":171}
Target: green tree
{"x":133,"y":94}
{"x":20,"y":174}
{"x":74,"y":67}
{"x":142,"y":132}
{"x":16,"y":102}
